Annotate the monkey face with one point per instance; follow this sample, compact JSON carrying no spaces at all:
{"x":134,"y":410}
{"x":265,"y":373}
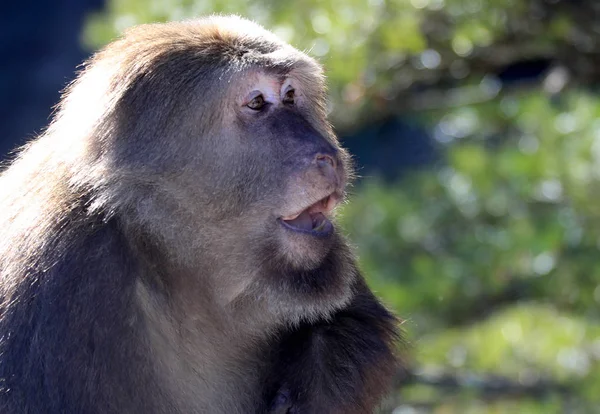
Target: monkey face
{"x":294,"y":178}
{"x":277,"y":174}
{"x":301,"y":167}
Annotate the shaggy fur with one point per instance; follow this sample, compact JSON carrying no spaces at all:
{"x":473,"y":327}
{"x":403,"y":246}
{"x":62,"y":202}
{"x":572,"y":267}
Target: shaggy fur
{"x":144,"y":265}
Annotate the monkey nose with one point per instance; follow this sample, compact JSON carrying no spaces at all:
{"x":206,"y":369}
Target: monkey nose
{"x":328,"y":166}
{"x":325,"y":161}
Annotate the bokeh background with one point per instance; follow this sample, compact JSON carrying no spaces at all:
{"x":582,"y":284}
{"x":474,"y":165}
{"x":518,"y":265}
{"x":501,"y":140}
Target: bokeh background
{"x":475,"y":125}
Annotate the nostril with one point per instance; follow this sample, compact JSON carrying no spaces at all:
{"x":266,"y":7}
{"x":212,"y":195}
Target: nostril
{"x":323,"y":159}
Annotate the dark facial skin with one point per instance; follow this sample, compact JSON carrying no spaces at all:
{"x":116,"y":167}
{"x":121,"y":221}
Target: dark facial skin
{"x":301,"y":165}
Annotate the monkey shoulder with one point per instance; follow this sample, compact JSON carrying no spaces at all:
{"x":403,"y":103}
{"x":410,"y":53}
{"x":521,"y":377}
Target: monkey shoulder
{"x":69,"y":321}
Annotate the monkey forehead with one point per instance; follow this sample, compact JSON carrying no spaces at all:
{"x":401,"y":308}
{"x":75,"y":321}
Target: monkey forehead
{"x":273,"y":85}
{"x":255,"y":80}
{"x":227,"y":45}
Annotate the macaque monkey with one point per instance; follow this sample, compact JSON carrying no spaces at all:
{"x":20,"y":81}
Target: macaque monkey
{"x":167,"y":245}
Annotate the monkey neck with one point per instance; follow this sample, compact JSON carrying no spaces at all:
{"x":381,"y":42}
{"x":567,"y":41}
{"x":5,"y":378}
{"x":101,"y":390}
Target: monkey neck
{"x":195,"y":336}
{"x":195,"y":343}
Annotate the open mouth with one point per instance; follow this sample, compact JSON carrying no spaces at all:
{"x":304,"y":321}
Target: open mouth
{"x":313,"y":219}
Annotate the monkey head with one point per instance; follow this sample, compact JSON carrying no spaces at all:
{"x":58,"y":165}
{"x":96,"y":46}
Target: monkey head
{"x":219,"y":149}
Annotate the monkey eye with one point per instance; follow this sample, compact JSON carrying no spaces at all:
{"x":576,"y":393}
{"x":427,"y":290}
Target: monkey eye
{"x":288,"y":98}
{"x":257,"y":103}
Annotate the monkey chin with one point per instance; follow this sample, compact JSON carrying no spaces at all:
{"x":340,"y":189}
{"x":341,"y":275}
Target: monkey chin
{"x":307,"y":275}
{"x":306,"y":248}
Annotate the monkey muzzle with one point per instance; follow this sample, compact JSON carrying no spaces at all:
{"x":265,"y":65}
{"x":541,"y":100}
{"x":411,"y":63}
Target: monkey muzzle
{"x":313,"y":220}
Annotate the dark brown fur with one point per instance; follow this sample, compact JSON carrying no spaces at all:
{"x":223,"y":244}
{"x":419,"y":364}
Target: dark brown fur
{"x":143,"y":265}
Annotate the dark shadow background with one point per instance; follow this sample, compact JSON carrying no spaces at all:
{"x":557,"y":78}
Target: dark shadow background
{"x":39,"y":51}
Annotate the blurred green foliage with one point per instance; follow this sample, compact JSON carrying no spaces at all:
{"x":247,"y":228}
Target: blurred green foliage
{"x":492,"y":254}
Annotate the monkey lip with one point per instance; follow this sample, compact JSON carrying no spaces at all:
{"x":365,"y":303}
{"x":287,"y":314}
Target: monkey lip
{"x":313,"y":219}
